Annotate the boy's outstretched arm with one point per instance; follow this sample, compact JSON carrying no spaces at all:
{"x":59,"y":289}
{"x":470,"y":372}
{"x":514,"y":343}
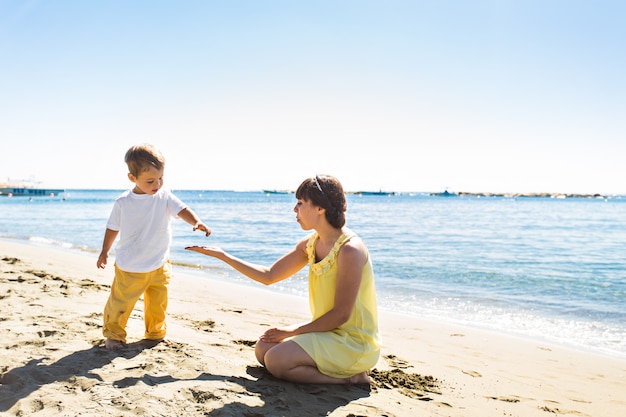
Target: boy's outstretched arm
{"x":190,"y":217}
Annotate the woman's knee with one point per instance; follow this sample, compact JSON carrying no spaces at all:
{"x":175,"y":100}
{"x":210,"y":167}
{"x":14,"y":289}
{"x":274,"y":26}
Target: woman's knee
{"x":274,"y":363}
{"x":285,"y":356}
{"x":260,"y":350}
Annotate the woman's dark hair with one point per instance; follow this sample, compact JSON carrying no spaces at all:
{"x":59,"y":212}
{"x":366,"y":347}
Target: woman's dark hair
{"x":325,"y":191}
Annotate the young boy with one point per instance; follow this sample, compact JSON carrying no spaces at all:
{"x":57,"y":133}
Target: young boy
{"x":141,"y":217}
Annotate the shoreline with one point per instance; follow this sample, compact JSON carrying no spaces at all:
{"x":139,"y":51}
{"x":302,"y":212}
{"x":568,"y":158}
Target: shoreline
{"x":51,"y":316}
{"x":201,"y":272}
{"x":410,"y":316}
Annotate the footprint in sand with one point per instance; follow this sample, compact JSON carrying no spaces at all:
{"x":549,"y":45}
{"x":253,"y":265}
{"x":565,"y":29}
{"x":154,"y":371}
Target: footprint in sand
{"x":249,"y":343}
{"x":472,"y":373}
{"x":11,"y":261}
{"x":47,"y":333}
{"x":205,"y":325}
{"x":201,"y":396}
{"x":227,"y":310}
{"x":396,"y":362}
{"x":505,"y":399}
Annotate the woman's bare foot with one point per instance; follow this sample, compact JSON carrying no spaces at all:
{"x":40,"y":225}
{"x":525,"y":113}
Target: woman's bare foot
{"x":111,"y":344}
{"x":362,"y":378}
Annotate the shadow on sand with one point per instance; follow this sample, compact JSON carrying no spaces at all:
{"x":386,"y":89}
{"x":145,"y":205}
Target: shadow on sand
{"x":276,"y":395}
{"x":20,"y":382}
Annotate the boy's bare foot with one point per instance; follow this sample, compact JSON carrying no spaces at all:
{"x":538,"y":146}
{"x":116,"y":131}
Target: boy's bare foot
{"x":362,"y":378}
{"x":150,"y":343}
{"x":166,"y":342}
{"x":111,"y":344}
{"x":157,"y":341}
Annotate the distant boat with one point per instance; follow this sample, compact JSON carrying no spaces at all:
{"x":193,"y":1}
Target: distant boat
{"x":26,"y":188}
{"x":445,"y":193}
{"x":374,"y":192}
{"x":278,"y":192}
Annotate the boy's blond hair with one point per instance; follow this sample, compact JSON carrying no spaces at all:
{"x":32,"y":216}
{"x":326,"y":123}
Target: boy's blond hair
{"x":140,"y":158}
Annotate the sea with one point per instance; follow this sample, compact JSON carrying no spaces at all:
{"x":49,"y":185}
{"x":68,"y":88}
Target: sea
{"x":552,"y":269}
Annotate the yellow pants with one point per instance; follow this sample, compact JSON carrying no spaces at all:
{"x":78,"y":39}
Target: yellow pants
{"x":126,"y":289}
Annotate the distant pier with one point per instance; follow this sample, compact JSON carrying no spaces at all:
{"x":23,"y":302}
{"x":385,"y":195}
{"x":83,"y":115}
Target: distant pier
{"x":518,"y":195}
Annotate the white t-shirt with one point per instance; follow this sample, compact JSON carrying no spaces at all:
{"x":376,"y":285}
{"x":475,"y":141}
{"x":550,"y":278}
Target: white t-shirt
{"x":145,"y":234}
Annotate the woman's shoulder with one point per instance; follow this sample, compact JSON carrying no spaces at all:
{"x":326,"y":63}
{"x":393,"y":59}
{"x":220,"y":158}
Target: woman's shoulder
{"x":350,"y":238}
{"x":352,"y":243}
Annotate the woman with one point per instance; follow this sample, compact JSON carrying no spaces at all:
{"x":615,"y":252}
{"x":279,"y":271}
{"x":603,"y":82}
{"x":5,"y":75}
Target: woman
{"x":341,"y":342}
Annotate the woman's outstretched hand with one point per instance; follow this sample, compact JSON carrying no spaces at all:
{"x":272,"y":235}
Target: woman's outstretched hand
{"x":206,"y":250}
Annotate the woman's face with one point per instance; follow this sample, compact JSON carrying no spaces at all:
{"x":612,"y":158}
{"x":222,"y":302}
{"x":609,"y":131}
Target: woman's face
{"x":307,"y":214}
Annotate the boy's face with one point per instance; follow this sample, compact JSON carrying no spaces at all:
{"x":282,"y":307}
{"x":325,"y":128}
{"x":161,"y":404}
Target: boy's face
{"x":148,"y":182}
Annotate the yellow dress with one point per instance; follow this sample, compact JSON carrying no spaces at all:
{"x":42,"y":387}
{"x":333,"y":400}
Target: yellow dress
{"x":353,"y":347}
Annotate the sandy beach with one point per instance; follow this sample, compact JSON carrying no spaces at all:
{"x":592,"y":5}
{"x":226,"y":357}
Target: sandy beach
{"x":53,"y":361}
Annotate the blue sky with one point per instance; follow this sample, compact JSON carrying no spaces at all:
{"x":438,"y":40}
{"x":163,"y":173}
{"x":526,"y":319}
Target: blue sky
{"x":499,"y":96}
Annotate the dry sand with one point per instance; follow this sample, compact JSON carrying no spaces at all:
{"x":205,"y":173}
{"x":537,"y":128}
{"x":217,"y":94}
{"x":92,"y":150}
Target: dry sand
{"x":53,"y":363}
